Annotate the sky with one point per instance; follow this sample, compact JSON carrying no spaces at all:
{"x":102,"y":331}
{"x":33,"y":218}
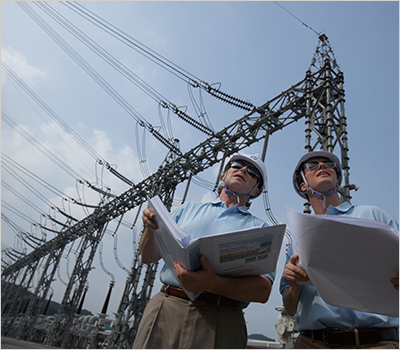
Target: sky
{"x":252,"y":50}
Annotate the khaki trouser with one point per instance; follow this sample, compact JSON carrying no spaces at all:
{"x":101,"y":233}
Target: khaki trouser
{"x":304,"y":342}
{"x":169,"y":322}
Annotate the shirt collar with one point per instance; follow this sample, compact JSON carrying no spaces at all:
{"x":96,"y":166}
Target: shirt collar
{"x":223,"y":204}
{"x":341,"y":208}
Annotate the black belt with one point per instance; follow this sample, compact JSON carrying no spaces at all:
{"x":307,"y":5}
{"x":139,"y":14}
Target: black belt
{"x":352,"y":336}
{"x":207,"y":298}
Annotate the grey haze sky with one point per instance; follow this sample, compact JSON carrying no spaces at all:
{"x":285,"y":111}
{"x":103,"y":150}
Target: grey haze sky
{"x":255,"y":50}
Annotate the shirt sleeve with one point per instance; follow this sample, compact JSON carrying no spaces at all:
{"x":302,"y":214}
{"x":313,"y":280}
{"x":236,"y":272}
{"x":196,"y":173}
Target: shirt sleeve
{"x":384,"y":217}
{"x":271,"y":276}
{"x":283,"y":284}
{"x":177,"y":212}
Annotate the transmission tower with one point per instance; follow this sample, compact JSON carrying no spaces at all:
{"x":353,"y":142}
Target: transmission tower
{"x":26,"y":324}
{"x":326,"y":112}
{"x":319,"y":98}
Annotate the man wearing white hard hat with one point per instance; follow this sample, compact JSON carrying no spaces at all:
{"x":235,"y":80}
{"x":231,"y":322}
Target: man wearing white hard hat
{"x":215,"y":319}
{"x":317,"y":177}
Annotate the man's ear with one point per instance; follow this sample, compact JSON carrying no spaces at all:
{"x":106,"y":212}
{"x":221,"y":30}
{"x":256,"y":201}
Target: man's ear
{"x":256,"y":192}
{"x":223,"y":176}
{"x":303,"y":187}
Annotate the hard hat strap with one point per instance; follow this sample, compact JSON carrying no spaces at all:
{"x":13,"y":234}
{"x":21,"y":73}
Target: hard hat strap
{"x":320,"y":195}
{"x":233,"y":193}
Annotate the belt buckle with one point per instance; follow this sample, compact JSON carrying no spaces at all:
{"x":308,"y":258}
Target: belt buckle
{"x":324,"y":337}
{"x":166,"y":289}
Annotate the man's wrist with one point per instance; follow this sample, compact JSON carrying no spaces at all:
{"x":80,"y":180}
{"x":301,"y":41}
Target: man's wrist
{"x":296,"y":288}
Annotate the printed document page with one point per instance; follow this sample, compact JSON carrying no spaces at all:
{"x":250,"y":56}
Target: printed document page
{"x":350,"y":261}
{"x":248,"y":252}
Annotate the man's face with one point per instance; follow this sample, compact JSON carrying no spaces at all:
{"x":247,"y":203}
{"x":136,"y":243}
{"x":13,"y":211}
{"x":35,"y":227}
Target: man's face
{"x":239,"y":180}
{"x":322,"y":178}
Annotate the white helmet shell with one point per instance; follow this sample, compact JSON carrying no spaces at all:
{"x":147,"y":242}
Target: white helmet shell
{"x":257,"y":162}
{"x":297,"y":179}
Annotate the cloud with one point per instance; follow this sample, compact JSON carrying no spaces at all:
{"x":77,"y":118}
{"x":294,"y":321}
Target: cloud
{"x":19,"y":65}
{"x":208,"y":197}
{"x":58,"y":142}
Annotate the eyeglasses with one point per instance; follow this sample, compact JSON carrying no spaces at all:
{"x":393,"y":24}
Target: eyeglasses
{"x":253,"y":172}
{"x":314,"y":164}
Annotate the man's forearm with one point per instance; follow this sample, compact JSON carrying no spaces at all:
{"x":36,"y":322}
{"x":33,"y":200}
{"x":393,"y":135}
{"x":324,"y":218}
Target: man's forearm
{"x":148,"y":247}
{"x":248,"y":289}
{"x":291,"y":298}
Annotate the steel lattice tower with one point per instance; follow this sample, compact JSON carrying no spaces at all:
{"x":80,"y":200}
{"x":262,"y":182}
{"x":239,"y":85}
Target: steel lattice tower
{"x":319,"y":98}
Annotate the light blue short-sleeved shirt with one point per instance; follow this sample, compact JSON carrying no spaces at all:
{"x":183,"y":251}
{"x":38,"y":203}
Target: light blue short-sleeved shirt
{"x":201,"y":220}
{"x":312,"y":312}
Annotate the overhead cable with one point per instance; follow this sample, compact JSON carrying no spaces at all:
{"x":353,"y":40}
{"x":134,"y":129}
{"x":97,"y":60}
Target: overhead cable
{"x":40,"y":145}
{"x":22,"y":234}
{"x":20,"y":196}
{"x":7,"y":162}
{"x":297,"y":18}
{"x":102,"y":263}
{"x":141,"y":150}
{"x":113,"y":62}
{"x":93,"y":74}
{"x":26,"y":185}
{"x":19,"y":84}
{"x":203,"y":183}
{"x":116,"y":256}
{"x":15,"y":78}
{"x":44,"y":149}
{"x":155,"y":57}
{"x":199,"y":108}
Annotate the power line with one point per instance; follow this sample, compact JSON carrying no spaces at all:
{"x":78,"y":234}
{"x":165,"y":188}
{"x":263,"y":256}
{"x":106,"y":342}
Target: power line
{"x":297,"y":18}
{"x":46,"y":151}
{"x":97,"y":49}
{"x":20,"y":85}
{"x":157,"y":58}
{"x":7,"y":161}
{"x":39,"y":144}
{"x":96,"y":76}
{"x":69,"y":131}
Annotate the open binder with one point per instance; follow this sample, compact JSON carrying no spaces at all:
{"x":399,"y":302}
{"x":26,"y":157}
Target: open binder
{"x":246,"y":252}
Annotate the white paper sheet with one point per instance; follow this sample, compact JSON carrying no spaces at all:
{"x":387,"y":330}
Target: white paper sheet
{"x":350,"y":261}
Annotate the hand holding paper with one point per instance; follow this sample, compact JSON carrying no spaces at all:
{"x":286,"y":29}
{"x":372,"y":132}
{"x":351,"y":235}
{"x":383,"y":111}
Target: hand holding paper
{"x":148,"y":219}
{"x":196,"y":281}
{"x":295,"y":276}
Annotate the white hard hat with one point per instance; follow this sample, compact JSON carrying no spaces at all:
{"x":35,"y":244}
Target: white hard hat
{"x":257,"y":162}
{"x":297,"y":179}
